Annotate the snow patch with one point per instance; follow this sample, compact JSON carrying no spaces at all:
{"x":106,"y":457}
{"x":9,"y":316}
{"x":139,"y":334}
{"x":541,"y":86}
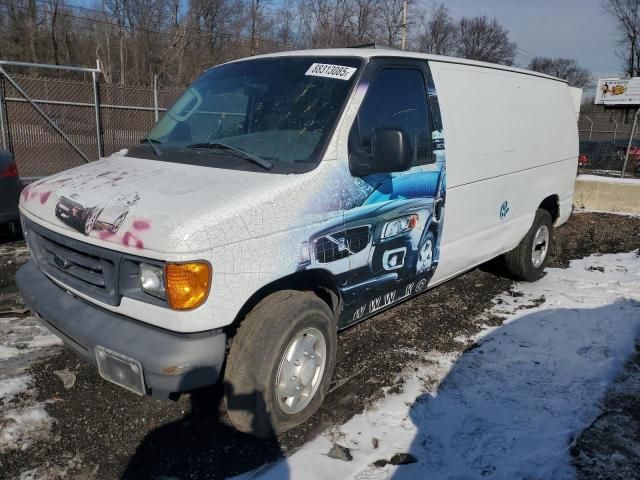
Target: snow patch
{"x":10,"y":387}
{"x":19,"y":428}
{"x":510,"y":406}
{"x":23,"y":421}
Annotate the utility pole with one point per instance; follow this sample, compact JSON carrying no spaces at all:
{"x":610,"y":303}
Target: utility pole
{"x":404,"y":25}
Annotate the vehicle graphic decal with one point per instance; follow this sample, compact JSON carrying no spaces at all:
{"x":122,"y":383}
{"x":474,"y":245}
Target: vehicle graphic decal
{"x":386,"y":245}
{"x":86,"y":215}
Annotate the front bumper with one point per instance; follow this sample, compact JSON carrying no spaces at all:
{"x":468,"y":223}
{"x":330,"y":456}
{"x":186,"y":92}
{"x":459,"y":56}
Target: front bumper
{"x":171,"y":361}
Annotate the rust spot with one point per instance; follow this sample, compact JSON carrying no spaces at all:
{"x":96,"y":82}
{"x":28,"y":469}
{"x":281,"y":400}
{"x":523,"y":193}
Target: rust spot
{"x":58,"y":182}
{"x":175,"y":370}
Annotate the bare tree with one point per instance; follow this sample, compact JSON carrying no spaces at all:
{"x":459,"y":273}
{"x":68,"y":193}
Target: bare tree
{"x":52,"y":7}
{"x":482,"y":39}
{"x":390,"y":21}
{"x":327,"y":22}
{"x":363,"y":20}
{"x":135,"y":40}
{"x":625,"y":13}
{"x":440,"y":32}
{"x":565,"y":68}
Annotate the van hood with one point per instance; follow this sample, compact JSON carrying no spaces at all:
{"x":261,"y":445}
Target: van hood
{"x":125,"y":203}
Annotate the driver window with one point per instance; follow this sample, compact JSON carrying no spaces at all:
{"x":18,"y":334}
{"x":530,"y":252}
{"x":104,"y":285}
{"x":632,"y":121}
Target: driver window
{"x":395,"y":98}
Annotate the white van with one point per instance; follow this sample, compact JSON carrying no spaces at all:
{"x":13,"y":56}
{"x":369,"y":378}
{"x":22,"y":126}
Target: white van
{"x":285,"y":197}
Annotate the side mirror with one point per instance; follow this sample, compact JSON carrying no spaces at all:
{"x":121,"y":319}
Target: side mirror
{"x":390,"y":149}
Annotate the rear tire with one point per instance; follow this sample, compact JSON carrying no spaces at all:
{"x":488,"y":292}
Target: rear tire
{"x":528,"y":260}
{"x":284,"y":348}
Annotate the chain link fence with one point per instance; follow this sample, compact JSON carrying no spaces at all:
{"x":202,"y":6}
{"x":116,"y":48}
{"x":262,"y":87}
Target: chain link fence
{"x":56,"y":121}
{"x":66,"y":116}
{"x":604,"y":139}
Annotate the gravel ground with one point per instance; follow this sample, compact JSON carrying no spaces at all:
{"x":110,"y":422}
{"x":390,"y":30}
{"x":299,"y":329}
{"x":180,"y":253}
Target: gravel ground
{"x":610,"y":447}
{"x":102,"y":431}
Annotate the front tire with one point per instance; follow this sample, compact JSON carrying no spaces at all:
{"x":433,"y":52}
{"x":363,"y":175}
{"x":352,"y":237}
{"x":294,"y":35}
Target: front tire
{"x":424,"y":262}
{"x":528,"y":260}
{"x":280,"y":363}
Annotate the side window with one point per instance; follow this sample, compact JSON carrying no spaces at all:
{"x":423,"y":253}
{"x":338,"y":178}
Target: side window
{"x":396,"y":98}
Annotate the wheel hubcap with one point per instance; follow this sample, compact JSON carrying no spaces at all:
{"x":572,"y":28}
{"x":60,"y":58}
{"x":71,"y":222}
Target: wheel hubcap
{"x":425,"y":257}
{"x":301,"y":370}
{"x":540,"y":246}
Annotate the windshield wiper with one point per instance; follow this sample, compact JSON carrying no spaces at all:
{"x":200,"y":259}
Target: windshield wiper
{"x":152,"y":143}
{"x":263,"y":162}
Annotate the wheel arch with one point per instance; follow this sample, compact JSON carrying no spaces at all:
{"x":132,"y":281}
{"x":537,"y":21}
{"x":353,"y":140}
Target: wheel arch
{"x":319,"y":281}
{"x":552,"y":205}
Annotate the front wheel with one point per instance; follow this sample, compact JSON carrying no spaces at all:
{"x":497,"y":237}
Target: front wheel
{"x":528,"y":260}
{"x":424,"y":263}
{"x":280,"y":363}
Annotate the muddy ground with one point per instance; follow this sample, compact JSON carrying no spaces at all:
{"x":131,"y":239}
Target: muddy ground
{"x":103,"y":431}
{"x":610,"y":447}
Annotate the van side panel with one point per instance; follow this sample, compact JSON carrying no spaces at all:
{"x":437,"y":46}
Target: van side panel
{"x":512,"y":141}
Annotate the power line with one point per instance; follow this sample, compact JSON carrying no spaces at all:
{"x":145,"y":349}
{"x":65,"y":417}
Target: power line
{"x":197,"y":34}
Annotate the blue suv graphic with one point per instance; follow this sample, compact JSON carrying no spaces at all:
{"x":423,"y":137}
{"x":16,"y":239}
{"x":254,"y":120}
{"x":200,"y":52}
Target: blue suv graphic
{"x":393,"y":236}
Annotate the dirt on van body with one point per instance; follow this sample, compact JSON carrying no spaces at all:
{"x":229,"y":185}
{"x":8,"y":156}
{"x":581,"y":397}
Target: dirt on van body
{"x":102,"y":431}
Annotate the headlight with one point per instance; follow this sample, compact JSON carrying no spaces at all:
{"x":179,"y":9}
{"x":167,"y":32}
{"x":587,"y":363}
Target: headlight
{"x":152,"y":280}
{"x":399,"y":225}
{"x":187,"y":284}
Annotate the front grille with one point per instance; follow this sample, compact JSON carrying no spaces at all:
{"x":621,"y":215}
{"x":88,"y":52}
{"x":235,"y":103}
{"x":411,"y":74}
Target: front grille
{"x":90,"y":270}
{"x":339,"y":245}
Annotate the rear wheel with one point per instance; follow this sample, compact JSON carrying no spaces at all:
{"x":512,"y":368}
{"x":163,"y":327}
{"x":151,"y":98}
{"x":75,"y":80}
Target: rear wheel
{"x":280,"y":363}
{"x":528,"y":260}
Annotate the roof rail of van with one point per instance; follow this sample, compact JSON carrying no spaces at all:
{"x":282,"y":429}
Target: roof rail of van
{"x":373,"y":45}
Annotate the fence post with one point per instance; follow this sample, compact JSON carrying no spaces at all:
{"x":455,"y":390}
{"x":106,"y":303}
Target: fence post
{"x":591,"y":126}
{"x":155,"y":97}
{"x":633,"y":131}
{"x":96,"y":103}
{"x":6,"y":139}
{"x":615,"y":129}
{"x":3,"y":108}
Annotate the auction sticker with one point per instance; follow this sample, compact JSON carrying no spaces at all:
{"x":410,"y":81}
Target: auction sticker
{"x":330,"y":71}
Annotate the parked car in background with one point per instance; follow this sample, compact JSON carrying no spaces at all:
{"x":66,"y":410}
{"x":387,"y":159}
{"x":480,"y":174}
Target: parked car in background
{"x":10,"y":188}
{"x":609,"y":155}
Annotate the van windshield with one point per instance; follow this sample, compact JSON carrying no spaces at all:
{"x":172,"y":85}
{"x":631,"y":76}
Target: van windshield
{"x":278,"y":109}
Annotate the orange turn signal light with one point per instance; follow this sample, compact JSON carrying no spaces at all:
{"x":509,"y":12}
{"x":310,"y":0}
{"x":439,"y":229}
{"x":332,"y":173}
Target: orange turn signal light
{"x":187,"y":284}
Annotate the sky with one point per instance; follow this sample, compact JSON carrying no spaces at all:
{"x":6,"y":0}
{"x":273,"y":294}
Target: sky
{"x":552,"y":28}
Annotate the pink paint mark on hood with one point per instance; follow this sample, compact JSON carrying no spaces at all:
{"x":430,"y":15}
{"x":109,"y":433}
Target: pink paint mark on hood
{"x":141,"y":225}
{"x":130,"y":240}
{"x":105,"y":234}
